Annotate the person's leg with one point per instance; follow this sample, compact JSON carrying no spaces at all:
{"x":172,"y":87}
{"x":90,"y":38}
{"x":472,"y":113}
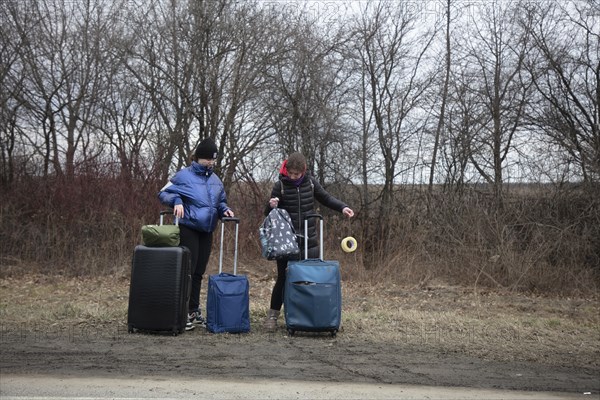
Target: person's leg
{"x":277,"y":294}
{"x":270,"y":323}
{"x":204,"y":249}
{"x":190,"y":239}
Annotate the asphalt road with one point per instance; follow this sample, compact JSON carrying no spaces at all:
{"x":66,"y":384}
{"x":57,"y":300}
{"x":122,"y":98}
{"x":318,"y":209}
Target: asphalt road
{"x":40,"y":387}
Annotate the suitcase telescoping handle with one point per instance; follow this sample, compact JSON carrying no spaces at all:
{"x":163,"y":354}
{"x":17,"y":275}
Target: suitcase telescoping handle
{"x":168,"y":212}
{"x":306,"y":218}
{"x":235,"y":251}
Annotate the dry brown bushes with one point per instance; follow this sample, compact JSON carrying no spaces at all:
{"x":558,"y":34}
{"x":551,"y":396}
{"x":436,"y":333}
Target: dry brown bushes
{"x":543,"y":239}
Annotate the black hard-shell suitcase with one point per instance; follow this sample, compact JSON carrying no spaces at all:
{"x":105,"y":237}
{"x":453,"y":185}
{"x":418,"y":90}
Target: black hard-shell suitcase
{"x":313,"y":291}
{"x":160,"y":289}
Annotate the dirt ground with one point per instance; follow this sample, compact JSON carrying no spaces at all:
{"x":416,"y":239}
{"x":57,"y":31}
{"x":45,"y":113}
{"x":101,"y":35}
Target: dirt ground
{"x":435,"y":336}
{"x":279,"y":357}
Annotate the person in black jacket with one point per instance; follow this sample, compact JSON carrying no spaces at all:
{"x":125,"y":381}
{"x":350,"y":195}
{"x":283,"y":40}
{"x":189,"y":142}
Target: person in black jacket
{"x":296,"y":192}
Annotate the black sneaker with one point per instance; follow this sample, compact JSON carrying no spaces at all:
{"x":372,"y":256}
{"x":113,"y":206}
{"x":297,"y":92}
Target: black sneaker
{"x":196,"y":318}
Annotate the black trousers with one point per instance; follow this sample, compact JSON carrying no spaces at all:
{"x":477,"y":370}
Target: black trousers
{"x":200,"y":244}
{"x":278,"y":289}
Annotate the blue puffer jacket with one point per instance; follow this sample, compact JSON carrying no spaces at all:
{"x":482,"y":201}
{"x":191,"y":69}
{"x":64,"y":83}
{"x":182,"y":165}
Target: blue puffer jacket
{"x":202,"y":194}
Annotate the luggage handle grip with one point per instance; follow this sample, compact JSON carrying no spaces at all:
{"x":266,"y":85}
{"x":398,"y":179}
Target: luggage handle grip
{"x":313,"y":215}
{"x":168,"y":212}
{"x":320,"y":218}
{"x":235,"y":252}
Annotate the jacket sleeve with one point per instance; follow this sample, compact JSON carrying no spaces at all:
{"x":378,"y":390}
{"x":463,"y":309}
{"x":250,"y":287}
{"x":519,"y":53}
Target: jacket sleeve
{"x":326,"y":198}
{"x":275,"y":192}
{"x":168,"y":195}
{"x":222,"y":202}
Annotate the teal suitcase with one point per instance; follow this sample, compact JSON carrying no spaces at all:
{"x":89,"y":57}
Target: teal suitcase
{"x":313,"y":294}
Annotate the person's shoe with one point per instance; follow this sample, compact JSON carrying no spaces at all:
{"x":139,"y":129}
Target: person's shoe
{"x":271,"y":320}
{"x":189,"y":326}
{"x":196,"y":318}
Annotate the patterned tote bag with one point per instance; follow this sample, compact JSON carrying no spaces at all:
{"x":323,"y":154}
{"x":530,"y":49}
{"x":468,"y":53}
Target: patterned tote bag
{"x":277,"y":236}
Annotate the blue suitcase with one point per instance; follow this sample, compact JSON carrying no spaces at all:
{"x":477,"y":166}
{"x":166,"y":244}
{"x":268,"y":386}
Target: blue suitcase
{"x":228,"y":298}
{"x":313,"y":294}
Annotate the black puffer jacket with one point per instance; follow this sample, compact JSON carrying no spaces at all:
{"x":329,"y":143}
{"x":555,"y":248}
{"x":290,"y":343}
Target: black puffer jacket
{"x":300,"y":201}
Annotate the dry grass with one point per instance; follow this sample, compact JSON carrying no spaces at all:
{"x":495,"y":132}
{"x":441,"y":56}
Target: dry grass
{"x":494,"y":325}
{"x":491,"y":325}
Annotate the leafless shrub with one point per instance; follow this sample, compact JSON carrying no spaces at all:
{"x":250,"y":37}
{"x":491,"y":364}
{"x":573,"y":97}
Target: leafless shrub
{"x":82,"y":227}
{"x":542,"y":240}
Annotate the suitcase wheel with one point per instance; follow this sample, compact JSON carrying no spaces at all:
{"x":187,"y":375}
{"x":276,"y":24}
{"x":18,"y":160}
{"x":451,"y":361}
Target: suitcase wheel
{"x":334,"y":333}
{"x":130,"y":328}
{"x":291,"y":332}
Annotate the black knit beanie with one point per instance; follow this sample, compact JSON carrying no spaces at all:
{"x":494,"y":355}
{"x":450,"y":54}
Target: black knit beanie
{"x":207,"y":149}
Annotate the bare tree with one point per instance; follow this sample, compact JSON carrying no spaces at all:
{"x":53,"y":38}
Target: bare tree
{"x":233,"y":46}
{"x":462,"y":110}
{"x":11,"y":87}
{"x":495,"y":50}
{"x":126,"y":119}
{"x":60,"y":52}
{"x":160,"y":60}
{"x":36,"y":53}
{"x":391,"y":53}
{"x":566,"y":73}
{"x":306,"y":92}
{"x":203,"y":67}
{"x":444,"y":98}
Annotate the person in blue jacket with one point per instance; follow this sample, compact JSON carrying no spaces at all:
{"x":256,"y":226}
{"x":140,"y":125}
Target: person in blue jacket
{"x":198,"y":199}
